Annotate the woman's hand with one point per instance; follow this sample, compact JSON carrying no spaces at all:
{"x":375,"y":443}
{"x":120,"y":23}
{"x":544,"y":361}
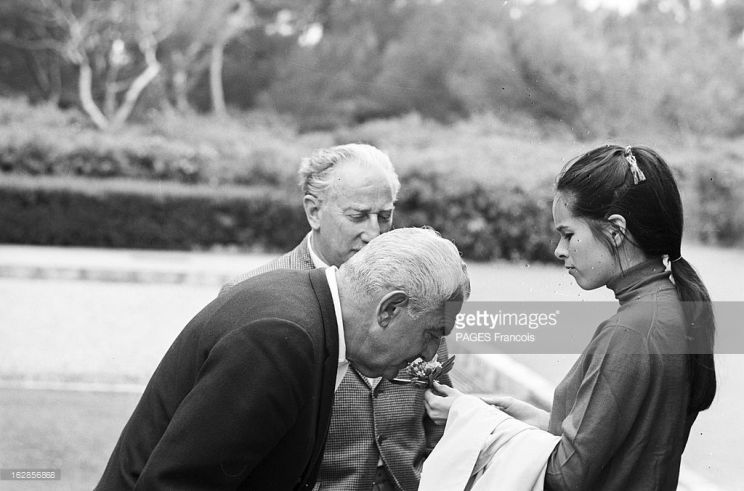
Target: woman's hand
{"x":520,"y":410}
{"x":439,"y":400}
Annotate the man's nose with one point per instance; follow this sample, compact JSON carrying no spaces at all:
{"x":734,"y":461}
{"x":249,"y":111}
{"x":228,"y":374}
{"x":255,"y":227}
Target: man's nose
{"x":430,"y":351}
{"x":371,"y":228}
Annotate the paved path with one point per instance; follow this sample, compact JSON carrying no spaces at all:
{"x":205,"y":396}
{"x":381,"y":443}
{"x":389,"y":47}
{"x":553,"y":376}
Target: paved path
{"x":138,"y":266}
{"x":533,"y":374}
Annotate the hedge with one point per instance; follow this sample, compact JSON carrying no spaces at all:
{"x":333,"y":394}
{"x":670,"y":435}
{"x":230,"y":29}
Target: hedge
{"x":484,"y":223}
{"x":148,"y":215}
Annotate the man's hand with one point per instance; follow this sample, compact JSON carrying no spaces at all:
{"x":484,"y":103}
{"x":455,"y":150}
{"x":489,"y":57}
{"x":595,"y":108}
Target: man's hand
{"x":438,"y":402}
{"x":520,"y":410}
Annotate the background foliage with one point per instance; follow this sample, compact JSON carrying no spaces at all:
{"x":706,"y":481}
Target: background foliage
{"x":669,"y":66}
{"x":135,"y":113}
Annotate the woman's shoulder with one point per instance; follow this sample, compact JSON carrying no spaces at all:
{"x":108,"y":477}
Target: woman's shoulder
{"x":646,"y":325}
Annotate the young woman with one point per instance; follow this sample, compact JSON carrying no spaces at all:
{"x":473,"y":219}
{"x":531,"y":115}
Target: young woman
{"x":624,"y":411}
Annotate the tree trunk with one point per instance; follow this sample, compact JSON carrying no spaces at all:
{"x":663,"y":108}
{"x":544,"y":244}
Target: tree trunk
{"x":180,"y":90}
{"x":148,"y":47}
{"x":133,"y":93}
{"x":109,"y":100}
{"x":215,"y":78}
{"x":86,"y":97}
{"x":55,"y":77}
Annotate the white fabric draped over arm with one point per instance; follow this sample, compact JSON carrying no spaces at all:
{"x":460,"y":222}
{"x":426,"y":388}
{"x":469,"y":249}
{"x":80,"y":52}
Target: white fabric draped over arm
{"x":482,"y":442}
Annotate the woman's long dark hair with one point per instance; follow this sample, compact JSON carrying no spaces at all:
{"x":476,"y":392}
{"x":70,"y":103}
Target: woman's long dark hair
{"x":603,"y":182}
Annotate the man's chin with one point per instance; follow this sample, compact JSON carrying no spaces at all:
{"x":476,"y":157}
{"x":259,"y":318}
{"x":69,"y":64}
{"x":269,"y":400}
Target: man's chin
{"x":389,"y":374}
{"x":386,"y":373}
{"x":367,"y":371}
{"x":393,"y":372}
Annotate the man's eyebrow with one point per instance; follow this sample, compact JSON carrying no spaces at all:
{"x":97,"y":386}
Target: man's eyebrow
{"x":561,"y":228}
{"x":366,"y":209}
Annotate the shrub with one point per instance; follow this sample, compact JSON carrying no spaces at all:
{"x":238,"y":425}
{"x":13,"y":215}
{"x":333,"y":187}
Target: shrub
{"x":131,"y":214}
{"x":485,"y":223}
{"x":484,"y":180}
{"x":249,"y":149}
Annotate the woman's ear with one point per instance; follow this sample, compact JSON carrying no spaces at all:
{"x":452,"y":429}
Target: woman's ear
{"x":618,"y":229}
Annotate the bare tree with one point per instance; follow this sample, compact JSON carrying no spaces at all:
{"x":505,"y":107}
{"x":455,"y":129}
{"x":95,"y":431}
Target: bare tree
{"x":112,"y":43}
{"x":204,"y":30}
{"x":197,"y":43}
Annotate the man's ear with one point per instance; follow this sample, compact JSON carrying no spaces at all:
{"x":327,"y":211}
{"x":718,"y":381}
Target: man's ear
{"x":391,"y":305}
{"x":312,"y":210}
{"x":618,"y":229}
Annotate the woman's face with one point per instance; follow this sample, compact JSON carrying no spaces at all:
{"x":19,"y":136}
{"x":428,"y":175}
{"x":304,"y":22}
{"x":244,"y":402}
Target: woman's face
{"x":587,"y":259}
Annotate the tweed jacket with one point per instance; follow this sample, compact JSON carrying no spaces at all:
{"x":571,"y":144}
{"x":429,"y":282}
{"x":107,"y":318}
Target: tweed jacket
{"x":297,"y":258}
{"x":243,"y":397}
{"x":388,"y":421}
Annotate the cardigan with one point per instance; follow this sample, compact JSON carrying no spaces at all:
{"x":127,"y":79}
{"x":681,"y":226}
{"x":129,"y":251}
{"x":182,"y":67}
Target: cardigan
{"x":622,"y":409}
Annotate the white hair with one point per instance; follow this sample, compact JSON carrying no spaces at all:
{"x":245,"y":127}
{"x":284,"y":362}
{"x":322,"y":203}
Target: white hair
{"x":417,"y":261}
{"x":316,"y":171}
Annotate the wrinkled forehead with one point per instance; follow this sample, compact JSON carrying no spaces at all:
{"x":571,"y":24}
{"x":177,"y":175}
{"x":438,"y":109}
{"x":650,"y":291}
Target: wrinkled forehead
{"x":361,"y":186}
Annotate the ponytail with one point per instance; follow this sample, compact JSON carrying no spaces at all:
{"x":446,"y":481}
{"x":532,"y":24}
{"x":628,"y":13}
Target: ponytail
{"x":700,"y":331}
{"x":637,"y":183}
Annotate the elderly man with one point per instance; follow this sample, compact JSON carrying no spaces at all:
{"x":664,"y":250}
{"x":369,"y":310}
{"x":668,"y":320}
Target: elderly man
{"x":380,"y":433}
{"x":242,"y":399}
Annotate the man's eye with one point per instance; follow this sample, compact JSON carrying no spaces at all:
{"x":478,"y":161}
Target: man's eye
{"x":357,"y":217}
{"x":567,"y":236}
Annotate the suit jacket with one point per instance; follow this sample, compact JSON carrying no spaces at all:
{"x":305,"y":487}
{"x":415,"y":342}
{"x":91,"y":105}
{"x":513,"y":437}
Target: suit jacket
{"x":297,"y":258}
{"x":242,"y":399}
{"x":389,"y":421}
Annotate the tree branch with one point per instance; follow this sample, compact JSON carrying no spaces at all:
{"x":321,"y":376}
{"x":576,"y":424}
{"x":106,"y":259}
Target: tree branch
{"x":143,"y":80}
{"x":32,"y":44}
{"x":85,"y":83}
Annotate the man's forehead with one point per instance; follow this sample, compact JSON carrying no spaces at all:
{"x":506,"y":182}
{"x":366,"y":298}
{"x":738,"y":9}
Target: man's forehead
{"x":362,"y":206}
{"x":355,"y":177}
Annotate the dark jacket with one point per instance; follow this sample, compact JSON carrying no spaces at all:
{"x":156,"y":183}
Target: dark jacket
{"x":389,"y":422}
{"x":242,"y":399}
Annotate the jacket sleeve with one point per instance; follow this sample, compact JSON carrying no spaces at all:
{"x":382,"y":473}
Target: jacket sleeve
{"x":434,"y":431}
{"x":246,"y":396}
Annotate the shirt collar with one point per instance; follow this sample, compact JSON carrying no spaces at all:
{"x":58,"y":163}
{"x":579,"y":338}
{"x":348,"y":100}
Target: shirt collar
{"x":634,"y":282}
{"x":317,"y":261}
{"x":333,"y":286}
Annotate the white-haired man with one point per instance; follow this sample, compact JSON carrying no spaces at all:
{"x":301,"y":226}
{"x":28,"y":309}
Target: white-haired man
{"x":380,"y":433}
{"x":242,"y":399}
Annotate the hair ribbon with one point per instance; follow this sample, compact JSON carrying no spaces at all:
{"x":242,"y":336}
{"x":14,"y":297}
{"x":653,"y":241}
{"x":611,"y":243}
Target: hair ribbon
{"x":638,"y":174}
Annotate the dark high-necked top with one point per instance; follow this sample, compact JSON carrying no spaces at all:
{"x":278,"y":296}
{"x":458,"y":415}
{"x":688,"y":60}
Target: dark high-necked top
{"x":622,"y":409}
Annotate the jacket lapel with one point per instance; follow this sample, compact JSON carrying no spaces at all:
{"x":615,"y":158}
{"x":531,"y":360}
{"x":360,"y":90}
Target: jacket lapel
{"x":330,"y":367}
